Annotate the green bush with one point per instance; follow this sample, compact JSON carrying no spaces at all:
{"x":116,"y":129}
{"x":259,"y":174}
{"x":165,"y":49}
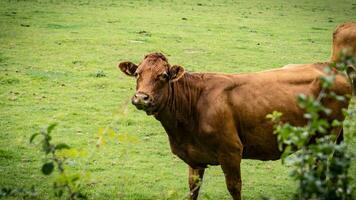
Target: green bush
{"x":320,"y":167}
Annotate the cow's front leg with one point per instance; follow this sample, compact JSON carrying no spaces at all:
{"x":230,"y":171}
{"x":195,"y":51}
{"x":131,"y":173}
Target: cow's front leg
{"x":195,"y":181}
{"x":230,"y":164}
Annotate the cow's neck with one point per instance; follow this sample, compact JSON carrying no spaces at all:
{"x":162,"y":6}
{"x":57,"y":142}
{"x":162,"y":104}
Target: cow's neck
{"x":180,"y":107}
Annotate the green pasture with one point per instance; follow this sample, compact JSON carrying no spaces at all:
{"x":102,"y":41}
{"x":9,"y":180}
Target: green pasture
{"x":58,"y":63}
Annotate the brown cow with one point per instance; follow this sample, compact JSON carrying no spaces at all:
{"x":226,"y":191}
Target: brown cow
{"x":218,"y":119}
{"x":344,"y":41}
{"x":344,"y":38}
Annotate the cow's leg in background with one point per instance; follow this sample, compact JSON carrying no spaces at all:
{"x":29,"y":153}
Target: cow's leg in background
{"x":230,"y":164}
{"x":340,"y":137}
{"x":195,"y":181}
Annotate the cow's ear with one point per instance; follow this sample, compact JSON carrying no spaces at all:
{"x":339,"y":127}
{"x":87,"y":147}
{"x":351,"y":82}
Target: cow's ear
{"x":175,"y":73}
{"x":128,"y":68}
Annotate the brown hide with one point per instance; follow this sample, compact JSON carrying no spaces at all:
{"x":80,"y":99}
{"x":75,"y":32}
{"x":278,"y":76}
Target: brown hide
{"x":344,"y":37}
{"x":213,"y":110}
{"x":218,"y":119}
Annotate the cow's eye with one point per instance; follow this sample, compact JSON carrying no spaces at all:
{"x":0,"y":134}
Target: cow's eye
{"x":163,"y":76}
{"x":136,"y":75}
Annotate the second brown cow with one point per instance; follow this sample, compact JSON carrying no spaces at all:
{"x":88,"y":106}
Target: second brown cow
{"x":344,"y":39}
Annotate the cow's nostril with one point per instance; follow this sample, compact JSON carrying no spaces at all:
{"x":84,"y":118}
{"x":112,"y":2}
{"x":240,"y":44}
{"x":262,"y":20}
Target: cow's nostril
{"x":141,"y":98}
{"x":145,"y":98}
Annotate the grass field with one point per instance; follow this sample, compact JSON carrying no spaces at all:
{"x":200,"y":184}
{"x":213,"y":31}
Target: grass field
{"x":58,"y":64}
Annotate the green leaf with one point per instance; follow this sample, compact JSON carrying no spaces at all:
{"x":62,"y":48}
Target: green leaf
{"x":47,"y":168}
{"x":75,"y":178}
{"x":62,"y":146}
{"x":327,"y":69}
{"x":340,"y":98}
{"x":58,"y":193}
{"x":302,"y":97}
{"x":51,"y":127}
{"x":33,"y":136}
{"x":275,"y":116}
{"x":336,"y":123}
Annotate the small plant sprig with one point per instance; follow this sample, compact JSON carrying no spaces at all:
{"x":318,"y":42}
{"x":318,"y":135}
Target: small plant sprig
{"x":320,"y":167}
{"x":65,"y":184}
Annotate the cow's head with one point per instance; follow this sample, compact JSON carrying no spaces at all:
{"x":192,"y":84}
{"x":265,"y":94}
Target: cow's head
{"x":153,"y":77}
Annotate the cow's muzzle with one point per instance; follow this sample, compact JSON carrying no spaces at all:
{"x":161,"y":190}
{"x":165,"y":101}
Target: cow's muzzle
{"x":142,"y":101}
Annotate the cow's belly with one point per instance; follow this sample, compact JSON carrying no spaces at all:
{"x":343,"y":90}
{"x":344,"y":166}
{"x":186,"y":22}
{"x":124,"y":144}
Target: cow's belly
{"x":194,"y":155}
{"x":260,"y":152}
{"x":260,"y":143}
{"x":261,"y":149}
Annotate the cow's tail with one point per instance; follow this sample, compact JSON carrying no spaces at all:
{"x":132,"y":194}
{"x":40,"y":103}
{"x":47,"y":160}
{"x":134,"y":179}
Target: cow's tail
{"x":351,"y":73}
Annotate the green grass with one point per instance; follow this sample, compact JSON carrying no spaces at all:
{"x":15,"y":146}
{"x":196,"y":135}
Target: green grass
{"x":51,"y":53}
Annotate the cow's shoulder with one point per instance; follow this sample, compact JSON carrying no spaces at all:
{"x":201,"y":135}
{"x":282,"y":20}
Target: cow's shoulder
{"x":214,"y":106}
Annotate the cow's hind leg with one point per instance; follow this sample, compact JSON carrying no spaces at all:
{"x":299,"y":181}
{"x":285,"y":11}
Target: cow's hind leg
{"x":340,"y":137}
{"x":195,"y":181}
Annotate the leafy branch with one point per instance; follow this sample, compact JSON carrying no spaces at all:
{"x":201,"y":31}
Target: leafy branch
{"x":56,"y":157}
